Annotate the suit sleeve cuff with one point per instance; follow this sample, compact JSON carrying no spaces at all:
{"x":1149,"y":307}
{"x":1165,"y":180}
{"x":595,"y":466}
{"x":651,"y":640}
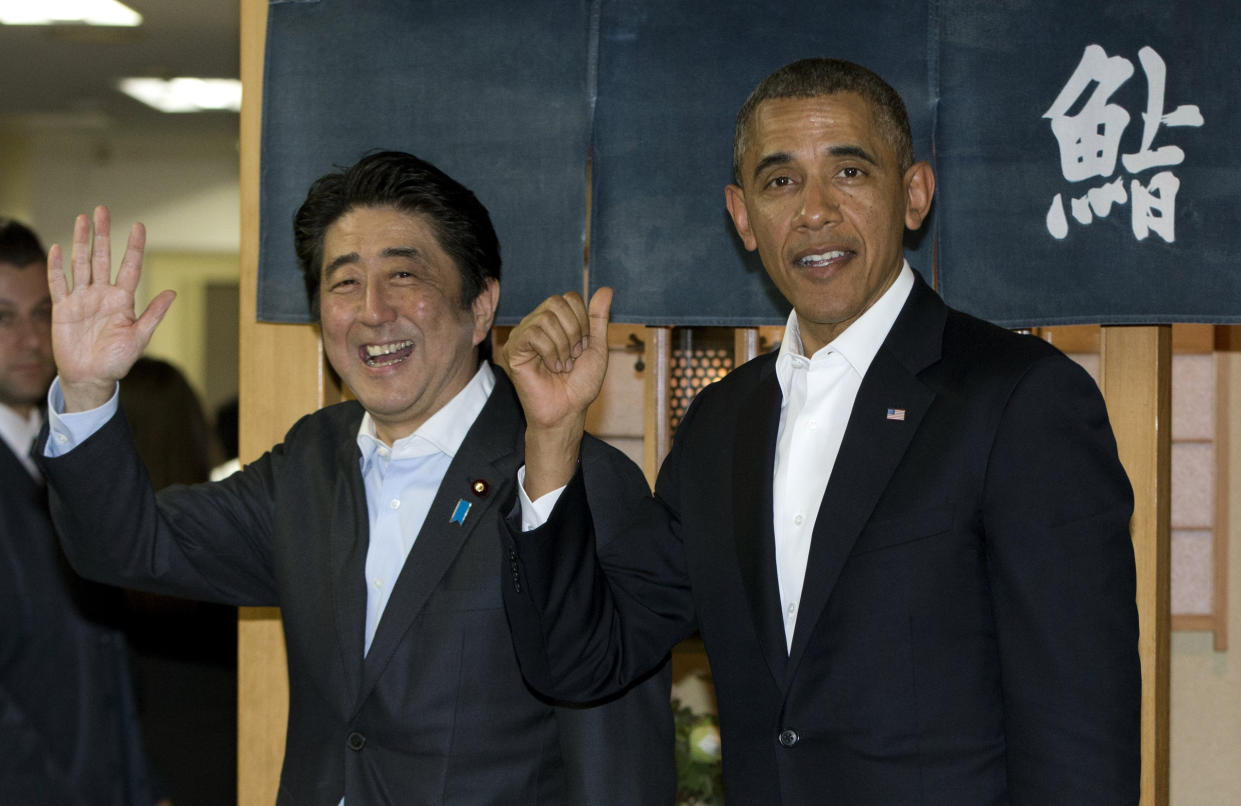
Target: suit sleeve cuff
{"x":67,"y":431}
{"x":535,"y":513}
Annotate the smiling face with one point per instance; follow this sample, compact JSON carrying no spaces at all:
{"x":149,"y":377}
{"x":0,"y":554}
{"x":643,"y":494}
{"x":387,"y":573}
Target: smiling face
{"x":393,"y":325}
{"x":26,"y":367}
{"x":824,"y":201}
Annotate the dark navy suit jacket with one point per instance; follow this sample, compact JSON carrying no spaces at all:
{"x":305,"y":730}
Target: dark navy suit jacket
{"x":967,"y":632}
{"x":69,"y":731}
{"x":437,"y":711}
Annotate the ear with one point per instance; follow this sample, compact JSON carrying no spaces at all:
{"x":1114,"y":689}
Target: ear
{"x":484,"y":309}
{"x":919,"y":190}
{"x":734,"y":199}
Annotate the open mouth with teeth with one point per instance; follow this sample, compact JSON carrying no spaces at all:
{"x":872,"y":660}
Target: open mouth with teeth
{"x":383,"y":355}
{"x":820,"y":259}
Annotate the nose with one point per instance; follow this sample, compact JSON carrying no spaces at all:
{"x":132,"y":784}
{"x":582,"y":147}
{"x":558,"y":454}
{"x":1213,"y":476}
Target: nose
{"x":818,"y":205}
{"x":377,"y":308}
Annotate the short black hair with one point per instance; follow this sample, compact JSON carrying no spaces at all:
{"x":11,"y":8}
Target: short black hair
{"x":19,"y":246}
{"x":810,"y":78}
{"x":405,"y":182}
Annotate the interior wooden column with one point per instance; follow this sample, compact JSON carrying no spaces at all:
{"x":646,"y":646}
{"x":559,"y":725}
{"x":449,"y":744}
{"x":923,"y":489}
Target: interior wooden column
{"x":1137,"y":384}
{"x":656,"y":418}
{"x":283,"y":376}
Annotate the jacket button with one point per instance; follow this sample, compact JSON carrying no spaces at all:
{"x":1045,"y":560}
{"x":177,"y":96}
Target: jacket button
{"x":355,"y":741}
{"x":788,"y":737}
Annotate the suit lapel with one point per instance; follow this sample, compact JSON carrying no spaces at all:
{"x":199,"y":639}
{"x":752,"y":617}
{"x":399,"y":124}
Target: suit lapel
{"x":871,"y":451}
{"x":349,"y":538}
{"x":491,"y":453}
{"x":16,"y":477}
{"x":755,"y":436}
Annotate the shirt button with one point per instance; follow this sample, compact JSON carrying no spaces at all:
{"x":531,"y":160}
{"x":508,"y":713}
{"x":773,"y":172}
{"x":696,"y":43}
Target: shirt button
{"x":379,"y":583}
{"x":798,"y":520}
{"x":61,"y":438}
{"x":792,"y":609}
{"x":789,"y":737}
{"x":813,"y":424}
{"x":356,"y":741}
{"x":395,"y":503}
{"x":383,"y":450}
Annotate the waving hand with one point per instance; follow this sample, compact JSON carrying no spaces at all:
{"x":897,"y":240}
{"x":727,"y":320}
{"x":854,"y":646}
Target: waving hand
{"x":96,"y":337}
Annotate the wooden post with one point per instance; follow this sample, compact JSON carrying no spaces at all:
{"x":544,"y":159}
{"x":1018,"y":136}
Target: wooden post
{"x":745,"y":345}
{"x":1136,"y":370}
{"x":283,"y":376}
{"x":656,"y":419}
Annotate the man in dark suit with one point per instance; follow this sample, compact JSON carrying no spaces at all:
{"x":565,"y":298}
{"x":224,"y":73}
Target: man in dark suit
{"x":903,"y":539}
{"x":374,"y":525}
{"x":70,"y":732}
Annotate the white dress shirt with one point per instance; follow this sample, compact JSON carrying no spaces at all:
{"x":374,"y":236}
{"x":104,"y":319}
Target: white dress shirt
{"x":401,"y":483}
{"x":818,"y":395}
{"x":18,"y":433}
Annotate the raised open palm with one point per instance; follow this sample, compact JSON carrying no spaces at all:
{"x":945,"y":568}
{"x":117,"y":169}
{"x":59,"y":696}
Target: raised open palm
{"x":96,"y":336}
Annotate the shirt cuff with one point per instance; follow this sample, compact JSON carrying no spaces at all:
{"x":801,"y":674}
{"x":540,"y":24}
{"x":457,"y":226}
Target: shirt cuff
{"x":535,"y":513}
{"x":67,"y":431}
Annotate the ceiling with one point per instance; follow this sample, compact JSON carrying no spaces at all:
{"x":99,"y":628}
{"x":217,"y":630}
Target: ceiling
{"x":65,"y":78}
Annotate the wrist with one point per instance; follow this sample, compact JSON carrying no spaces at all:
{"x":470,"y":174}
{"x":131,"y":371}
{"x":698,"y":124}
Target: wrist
{"x":551,"y":456}
{"x":85,"y":395}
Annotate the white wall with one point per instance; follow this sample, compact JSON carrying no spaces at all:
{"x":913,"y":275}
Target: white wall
{"x":1206,"y":685}
{"x":185,"y":190}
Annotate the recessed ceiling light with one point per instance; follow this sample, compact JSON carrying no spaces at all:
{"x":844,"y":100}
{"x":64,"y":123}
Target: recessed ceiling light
{"x":185,"y":94}
{"x":68,"y":12}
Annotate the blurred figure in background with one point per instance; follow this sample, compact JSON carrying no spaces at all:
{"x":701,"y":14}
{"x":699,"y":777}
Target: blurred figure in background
{"x":168,"y":423}
{"x":69,"y":734}
{"x":185,"y":652}
{"x":227,"y":435}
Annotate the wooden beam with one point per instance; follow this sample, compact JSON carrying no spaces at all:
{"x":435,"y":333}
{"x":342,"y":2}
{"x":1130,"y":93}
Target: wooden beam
{"x":1219,"y":533}
{"x":656,"y":425}
{"x":745,"y":345}
{"x":283,"y":375}
{"x":1136,"y":376}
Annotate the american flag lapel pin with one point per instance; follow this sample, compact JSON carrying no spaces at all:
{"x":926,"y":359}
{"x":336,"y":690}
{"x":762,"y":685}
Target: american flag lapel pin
{"x":458,"y":514}
{"x":896,"y":414}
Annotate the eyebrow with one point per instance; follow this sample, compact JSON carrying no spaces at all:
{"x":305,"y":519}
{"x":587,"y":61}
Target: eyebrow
{"x":783,"y":157}
{"x":12,"y":306}
{"x":340,"y":260}
{"x":403,"y":251}
{"x":353,"y":257}
{"x":853,"y":151}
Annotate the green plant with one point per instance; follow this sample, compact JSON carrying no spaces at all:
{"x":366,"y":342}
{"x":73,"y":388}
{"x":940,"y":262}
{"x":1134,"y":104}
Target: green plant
{"x":699,"y":772}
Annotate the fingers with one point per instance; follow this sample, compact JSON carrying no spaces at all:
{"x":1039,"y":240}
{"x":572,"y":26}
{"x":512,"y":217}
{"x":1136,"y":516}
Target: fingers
{"x":600,"y":310}
{"x":154,"y":314}
{"x":56,"y":283}
{"x":555,"y":332}
{"x":80,"y":257}
{"x":131,"y":265}
{"x":92,"y":262}
{"x":101,"y":256}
